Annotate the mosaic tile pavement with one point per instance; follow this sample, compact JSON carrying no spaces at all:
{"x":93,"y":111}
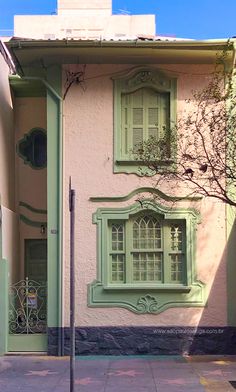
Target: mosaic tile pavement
{"x":119,"y":374}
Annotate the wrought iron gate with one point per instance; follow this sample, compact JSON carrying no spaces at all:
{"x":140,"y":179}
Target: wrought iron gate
{"x":27,"y":308}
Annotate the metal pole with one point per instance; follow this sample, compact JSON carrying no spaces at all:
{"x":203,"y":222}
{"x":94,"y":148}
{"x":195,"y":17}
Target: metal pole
{"x":72,"y":288}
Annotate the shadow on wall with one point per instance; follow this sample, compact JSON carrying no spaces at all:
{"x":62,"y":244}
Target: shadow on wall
{"x":7,"y":142}
{"x":210,"y":338}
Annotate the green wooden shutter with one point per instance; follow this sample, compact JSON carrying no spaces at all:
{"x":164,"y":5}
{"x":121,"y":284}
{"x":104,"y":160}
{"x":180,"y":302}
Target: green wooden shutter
{"x":152,"y":103}
{"x":125,"y":125}
{"x":164,"y":122}
{"x":145,"y":113}
{"x":137,"y":118}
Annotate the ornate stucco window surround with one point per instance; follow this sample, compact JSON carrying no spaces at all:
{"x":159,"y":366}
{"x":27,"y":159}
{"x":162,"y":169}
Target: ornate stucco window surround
{"x":144,"y":107}
{"x":146,"y":258}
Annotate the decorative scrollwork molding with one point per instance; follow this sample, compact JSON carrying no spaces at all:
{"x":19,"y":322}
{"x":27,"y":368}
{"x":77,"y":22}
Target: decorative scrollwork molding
{"x":149,"y":77}
{"x":27,"y":307}
{"x":147,"y":304}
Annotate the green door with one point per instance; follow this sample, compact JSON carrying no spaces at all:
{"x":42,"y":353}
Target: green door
{"x":27,"y":331}
{"x":36,"y":260}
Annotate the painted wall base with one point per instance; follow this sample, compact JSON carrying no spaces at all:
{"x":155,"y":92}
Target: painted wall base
{"x":147,"y":341}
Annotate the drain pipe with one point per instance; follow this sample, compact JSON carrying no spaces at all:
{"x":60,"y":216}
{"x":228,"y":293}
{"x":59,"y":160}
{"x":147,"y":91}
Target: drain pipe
{"x":60,"y":217}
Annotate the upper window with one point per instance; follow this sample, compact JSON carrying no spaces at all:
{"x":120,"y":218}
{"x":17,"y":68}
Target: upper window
{"x":145,"y":113}
{"x":144,"y":108}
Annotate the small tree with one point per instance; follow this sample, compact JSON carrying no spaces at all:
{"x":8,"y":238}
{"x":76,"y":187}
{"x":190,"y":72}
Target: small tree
{"x":201,"y":148}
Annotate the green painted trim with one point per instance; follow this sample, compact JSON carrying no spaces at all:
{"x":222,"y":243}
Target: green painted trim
{"x":25,"y":88}
{"x":146,"y":301}
{"x":27,"y":343}
{"x":4,"y":306}
{"x":31,"y":208}
{"x":30,"y":222}
{"x":4,"y":276}
{"x":54,"y":202}
{"x":145,"y":298}
{"x":128,"y":82}
{"x":0,"y":229}
{"x":26,"y":136}
{"x":60,"y":245}
{"x":153,"y":191}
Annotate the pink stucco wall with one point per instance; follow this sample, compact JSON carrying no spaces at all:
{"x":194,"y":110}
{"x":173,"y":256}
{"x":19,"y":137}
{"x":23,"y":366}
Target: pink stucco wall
{"x":88,"y":158}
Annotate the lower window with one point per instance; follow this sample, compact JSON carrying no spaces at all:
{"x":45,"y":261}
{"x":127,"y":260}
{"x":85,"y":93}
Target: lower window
{"x":146,"y":258}
{"x":147,"y":248}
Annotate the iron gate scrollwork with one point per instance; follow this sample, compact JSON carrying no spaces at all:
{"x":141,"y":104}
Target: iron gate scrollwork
{"x":27,"y":307}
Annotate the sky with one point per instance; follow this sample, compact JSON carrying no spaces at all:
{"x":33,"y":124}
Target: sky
{"x":197,"y":19}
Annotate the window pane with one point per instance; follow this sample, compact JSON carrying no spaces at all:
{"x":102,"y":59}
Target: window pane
{"x":137,"y":138}
{"x":153,"y":116}
{"x":117,"y":235}
{"x":177,"y":268}
{"x":118,"y":264}
{"x":146,"y":233}
{"x":40,"y":150}
{"x":147,"y":267}
{"x":137,"y":116}
{"x":33,"y":148}
{"x":153,"y":132}
{"x":137,"y":98}
{"x":176,"y":237}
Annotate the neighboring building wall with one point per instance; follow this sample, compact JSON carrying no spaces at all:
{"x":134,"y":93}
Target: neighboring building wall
{"x":10,"y":242}
{"x":83,"y":20}
{"x":9,"y":219}
{"x":88,"y":148}
{"x":81,"y":8}
{"x":67,"y":26}
{"x":7,"y":145}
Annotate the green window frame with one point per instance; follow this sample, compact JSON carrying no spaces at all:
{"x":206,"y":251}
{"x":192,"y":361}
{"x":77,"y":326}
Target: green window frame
{"x":146,"y":252}
{"x":144,"y":107}
{"x":147,"y":249}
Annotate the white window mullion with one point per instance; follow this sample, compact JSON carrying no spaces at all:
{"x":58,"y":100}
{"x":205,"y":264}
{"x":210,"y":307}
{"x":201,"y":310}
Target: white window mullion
{"x":153,"y":113}
{"x":137,"y":110}
{"x":126,"y":124}
{"x":164,"y":114}
{"x":128,"y":252}
{"x":145,"y":113}
{"x":166,"y":257}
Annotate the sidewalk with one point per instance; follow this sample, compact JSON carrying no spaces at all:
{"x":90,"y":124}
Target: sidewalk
{"x":118,"y":374}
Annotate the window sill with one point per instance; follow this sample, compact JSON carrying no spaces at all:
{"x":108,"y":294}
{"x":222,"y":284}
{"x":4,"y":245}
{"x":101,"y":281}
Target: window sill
{"x":156,"y":287}
{"x":167,"y":161}
{"x":139,"y":167}
{"x":146,"y":299}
